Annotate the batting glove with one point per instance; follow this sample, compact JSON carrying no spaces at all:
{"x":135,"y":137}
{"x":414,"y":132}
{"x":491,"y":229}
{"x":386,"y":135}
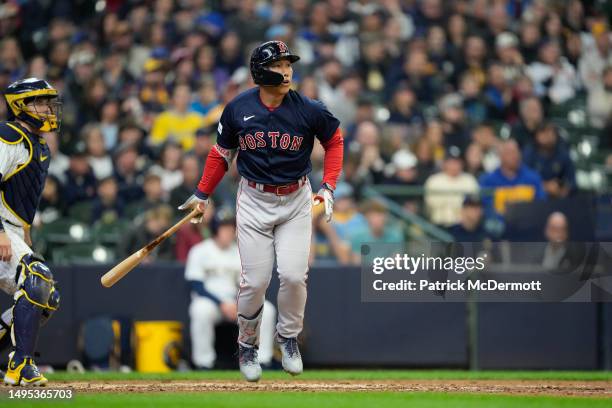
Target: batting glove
{"x":325,"y":196}
{"x":195,"y":202}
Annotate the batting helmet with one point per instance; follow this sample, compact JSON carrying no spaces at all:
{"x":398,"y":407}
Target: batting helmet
{"x":20,"y":93}
{"x":264,"y":55}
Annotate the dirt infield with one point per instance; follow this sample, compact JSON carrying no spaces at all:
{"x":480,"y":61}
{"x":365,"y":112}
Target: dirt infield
{"x":507,"y":387}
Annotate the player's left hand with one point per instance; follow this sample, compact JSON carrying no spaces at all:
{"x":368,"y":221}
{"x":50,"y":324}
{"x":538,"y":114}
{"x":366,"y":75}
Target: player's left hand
{"x":326,"y":197}
{"x":194,"y":202}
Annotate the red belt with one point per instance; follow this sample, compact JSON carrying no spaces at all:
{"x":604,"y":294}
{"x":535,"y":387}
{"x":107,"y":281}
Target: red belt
{"x":281,"y":190}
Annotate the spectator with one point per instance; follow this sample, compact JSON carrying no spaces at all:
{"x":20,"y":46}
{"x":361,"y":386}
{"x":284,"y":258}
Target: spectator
{"x":347,"y":220}
{"x":177,"y":123}
{"x":510,"y":58}
{"x":169,"y":167}
{"x":127,"y":172}
{"x":60,"y":162}
{"x":473,"y":101}
{"x":498,"y":93}
{"x":190,"y":176}
{"x":453,"y":122}
{"x":426,"y":165}
{"x":531,"y":117}
{"x":379,"y":229}
{"x":484,"y":136}
{"x":156,"y":220}
{"x":213,"y":274}
{"x":107,"y":207}
{"x":549,"y":156}
{"x":403,"y":109}
{"x":513,"y":182}
{"x":599,"y":101}
{"x":404,"y":168}
{"x":553,"y":76}
{"x":97,"y":156}
{"x":474,"y":158}
{"x":470,"y":227}
{"x":207,"y":98}
{"x":559,"y":255}
{"x":153,"y":93}
{"x":153,"y":195}
{"x":596,"y":58}
{"x":444,"y":191}
{"x":109,"y":123}
{"x":52,"y":205}
{"x":80,"y":180}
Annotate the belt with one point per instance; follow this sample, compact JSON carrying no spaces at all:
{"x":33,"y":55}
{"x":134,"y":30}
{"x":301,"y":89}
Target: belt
{"x":279,"y":190}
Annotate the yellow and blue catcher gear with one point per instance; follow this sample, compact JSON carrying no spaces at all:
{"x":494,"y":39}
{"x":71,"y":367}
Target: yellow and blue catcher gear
{"x":20,"y":191}
{"x":35,"y":301}
{"x":20,"y":93}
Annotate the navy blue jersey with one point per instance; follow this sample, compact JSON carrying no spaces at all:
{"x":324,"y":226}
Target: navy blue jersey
{"x":274,"y":146}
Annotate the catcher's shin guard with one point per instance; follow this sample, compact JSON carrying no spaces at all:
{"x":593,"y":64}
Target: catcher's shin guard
{"x":35,"y":300}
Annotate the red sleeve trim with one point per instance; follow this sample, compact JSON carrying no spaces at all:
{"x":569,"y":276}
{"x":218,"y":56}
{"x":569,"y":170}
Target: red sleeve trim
{"x":214,"y":170}
{"x":334,"y":155}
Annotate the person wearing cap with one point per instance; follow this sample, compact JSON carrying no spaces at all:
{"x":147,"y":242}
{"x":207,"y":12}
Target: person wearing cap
{"x":470,"y":227}
{"x":178,"y":122}
{"x":453,"y":121}
{"x":80,"y":182}
{"x":444,"y":191}
{"x":379,"y":228}
{"x":153,"y":93}
{"x":506,"y":46}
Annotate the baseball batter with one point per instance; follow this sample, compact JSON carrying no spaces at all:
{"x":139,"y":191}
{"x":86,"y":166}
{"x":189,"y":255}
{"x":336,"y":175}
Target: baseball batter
{"x":272,"y":130}
{"x":33,"y":108}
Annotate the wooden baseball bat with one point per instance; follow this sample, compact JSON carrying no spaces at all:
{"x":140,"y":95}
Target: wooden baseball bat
{"x":124,"y":267}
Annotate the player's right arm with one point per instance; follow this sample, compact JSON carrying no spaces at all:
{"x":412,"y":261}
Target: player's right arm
{"x":217,"y":163}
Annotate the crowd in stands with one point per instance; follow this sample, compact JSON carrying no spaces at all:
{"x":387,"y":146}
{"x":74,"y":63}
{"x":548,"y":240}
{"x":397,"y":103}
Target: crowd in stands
{"x":423,"y":89}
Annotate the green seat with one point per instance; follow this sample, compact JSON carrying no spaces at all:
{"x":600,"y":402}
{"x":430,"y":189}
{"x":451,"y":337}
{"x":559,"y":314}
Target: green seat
{"x":83,"y":253}
{"x":65,"y":231}
{"x":110,"y":234}
{"x":81,"y":211}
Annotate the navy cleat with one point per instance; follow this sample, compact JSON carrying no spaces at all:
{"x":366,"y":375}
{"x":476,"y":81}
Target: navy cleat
{"x":23,"y":372}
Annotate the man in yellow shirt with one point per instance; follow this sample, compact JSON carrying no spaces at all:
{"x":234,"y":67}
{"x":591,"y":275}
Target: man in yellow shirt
{"x":178,"y":122}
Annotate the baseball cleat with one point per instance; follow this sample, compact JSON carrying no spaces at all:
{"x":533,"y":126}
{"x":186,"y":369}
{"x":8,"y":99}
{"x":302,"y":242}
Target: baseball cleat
{"x":23,"y":372}
{"x":292,"y":360}
{"x":249,"y":364}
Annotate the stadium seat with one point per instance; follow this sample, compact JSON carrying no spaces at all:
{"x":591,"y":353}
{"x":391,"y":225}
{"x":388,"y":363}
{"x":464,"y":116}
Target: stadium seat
{"x":81,"y":211}
{"x":65,"y":231}
{"x":110,"y":233}
{"x":83,"y":253}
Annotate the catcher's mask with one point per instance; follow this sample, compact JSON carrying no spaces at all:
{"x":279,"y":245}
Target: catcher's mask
{"x":35,"y":102}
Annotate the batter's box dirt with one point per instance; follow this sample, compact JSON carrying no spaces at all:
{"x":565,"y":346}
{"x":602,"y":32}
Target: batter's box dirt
{"x":512,"y":387}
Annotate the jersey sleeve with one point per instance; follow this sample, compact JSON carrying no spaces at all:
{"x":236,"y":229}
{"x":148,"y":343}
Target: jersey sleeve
{"x":7,"y":155}
{"x":227,"y":136}
{"x":193,"y":267}
{"x":324,"y":124}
